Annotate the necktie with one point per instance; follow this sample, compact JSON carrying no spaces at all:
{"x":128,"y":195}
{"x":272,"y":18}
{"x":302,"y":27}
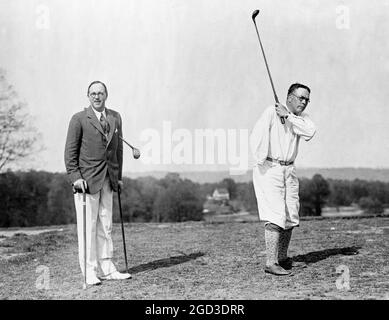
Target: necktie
{"x":104,"y":124}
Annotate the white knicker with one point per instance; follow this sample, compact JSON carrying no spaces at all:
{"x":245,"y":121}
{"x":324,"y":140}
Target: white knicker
{"x":276,"y":188}
{"x":99,"y":246}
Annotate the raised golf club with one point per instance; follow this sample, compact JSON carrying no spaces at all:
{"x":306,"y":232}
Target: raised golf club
{"x":135,"y":151}
{"x":254,"y":15}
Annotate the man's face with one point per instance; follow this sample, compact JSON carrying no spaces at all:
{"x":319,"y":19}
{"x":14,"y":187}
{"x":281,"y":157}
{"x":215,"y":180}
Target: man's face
{"x":97,"y":96}
{"x":298,"y":100}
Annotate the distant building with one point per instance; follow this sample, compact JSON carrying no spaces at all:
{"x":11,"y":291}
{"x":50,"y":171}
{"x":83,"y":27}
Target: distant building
{"x":221,"y":194}
{"x":218,"y":203}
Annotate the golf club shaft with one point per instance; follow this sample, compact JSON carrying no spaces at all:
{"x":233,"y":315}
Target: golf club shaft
{"x":267,"y":68}
{"x":123,"y":236}
{"x":127,"y":143}
{"x":84,"y":233}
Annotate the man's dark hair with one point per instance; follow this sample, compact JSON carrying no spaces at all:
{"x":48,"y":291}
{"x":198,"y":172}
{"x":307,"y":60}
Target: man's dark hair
{"x":102,"y":83}
{"x":296,"y":86}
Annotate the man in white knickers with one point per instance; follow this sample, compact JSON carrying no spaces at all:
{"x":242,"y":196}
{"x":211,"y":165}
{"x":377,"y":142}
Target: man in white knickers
{"x":275,"y":146}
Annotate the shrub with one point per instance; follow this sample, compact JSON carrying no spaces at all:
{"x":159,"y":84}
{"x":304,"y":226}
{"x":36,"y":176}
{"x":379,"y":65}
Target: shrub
{"x":371,"y":205}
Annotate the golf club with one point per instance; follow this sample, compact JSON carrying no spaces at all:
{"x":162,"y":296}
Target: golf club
{"x":135,"y":151}
{"x":121,"y":220}
{"x":84,"y":234}
{"x":255,"y":13}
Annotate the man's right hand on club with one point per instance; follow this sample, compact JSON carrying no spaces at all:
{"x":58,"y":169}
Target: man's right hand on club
{"x":80,"y":185}
{"x":281,"y":110}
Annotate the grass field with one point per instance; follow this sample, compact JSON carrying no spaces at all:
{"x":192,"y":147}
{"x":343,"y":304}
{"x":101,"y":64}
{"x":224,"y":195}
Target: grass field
{"x":203,"y":260}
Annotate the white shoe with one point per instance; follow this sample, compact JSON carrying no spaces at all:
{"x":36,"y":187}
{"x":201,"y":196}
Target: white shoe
{"x":92,"y":280}
{"x":116,"y":276}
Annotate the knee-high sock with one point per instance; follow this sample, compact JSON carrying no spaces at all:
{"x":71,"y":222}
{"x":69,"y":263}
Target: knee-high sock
{"x":285,"y":236}
{"x":272,"y":238}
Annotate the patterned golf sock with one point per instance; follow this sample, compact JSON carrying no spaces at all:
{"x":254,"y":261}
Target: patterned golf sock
{"x":272,"y":237}
{"x":285,"y":236}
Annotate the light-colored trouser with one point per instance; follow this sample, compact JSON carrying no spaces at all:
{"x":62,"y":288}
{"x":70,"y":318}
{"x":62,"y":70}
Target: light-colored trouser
{"x":99,"y":246}
{"x":276,"y":189}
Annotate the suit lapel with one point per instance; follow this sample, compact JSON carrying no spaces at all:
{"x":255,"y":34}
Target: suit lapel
{"x":111,"y":122}
{"x":93,"y":119}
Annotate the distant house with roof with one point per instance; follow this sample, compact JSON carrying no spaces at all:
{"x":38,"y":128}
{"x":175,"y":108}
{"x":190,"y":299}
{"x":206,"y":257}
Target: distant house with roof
{"x":221,"y":194}
{"x":218,"y":203}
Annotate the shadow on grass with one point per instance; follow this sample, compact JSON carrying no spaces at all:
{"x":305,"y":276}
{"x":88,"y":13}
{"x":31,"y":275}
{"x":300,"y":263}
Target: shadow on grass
{"x":315,"y":256}
{"x":165,"y":263}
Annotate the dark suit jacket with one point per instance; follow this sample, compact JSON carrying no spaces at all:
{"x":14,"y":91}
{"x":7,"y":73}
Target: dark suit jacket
{"x":89,"y":154}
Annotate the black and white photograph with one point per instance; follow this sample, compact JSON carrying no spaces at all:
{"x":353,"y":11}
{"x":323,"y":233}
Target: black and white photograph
{"x":194,"y":150}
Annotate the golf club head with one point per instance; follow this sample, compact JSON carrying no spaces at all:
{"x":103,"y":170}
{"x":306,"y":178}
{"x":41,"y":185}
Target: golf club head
{"x":136,"y":153}
{"x":255,"y":13}
{"x":84,"y":286}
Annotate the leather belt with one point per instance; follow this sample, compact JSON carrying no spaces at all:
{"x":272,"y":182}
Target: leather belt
{"x":281,"y":162}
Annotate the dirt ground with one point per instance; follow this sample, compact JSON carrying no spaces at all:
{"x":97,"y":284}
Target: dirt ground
{"x":205,"y":260}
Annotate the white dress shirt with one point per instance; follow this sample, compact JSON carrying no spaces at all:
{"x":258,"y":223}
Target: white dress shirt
{"x":98,"y":114}
{"x":271,"y":138}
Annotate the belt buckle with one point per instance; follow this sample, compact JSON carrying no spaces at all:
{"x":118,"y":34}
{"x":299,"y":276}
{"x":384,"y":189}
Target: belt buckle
{"x":283,"y":163}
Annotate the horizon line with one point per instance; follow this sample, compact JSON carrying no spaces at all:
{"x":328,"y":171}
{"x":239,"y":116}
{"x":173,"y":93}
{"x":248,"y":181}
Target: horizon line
{"x":214,"y":171}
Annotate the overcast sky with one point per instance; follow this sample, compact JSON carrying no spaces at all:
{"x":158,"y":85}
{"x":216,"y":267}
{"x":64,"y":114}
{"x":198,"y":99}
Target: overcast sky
{"x":197,"y":65}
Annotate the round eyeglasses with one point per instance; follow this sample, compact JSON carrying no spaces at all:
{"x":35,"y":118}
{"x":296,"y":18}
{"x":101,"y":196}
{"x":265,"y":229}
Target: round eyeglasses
{"x":302,"y":99}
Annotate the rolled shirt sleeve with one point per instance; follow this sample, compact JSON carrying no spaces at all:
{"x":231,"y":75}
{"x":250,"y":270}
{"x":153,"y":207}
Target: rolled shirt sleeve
{"x":302,"y":126}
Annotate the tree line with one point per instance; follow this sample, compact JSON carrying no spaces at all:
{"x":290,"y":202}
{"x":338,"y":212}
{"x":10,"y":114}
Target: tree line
{"x":41,"y":198}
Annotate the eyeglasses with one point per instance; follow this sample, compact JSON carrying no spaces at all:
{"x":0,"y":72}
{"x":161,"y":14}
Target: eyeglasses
{"x":95,"y":94}
{"x":301,"y":98}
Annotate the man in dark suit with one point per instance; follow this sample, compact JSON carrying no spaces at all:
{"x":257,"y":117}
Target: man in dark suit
{"x":93,"y":159}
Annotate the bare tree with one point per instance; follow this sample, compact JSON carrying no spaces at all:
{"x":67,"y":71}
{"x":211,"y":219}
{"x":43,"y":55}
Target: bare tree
{"x":17,"y":137}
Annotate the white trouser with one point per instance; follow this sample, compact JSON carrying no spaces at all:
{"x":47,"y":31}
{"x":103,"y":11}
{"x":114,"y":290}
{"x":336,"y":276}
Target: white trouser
{"x":99,"y":246}
{"x":276,"y":188}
